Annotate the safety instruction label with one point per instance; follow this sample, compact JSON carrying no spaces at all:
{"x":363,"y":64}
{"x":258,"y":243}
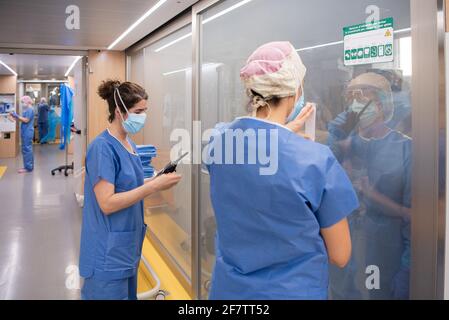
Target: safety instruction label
{"x":368,"y":43}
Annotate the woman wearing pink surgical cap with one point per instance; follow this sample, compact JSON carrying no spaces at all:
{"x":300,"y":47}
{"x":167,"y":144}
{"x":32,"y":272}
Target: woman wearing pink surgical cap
{"x":274,"y":76}
{"x":26,"y":132}
{"x":278,"y":224}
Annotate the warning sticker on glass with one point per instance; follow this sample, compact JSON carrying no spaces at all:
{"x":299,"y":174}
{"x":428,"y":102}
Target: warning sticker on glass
{"x":369,"y":43}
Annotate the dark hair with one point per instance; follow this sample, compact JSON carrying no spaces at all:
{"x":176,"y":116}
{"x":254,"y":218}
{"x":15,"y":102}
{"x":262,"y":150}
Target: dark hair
{"x":131,"y":94}
{"x":273,"y":101}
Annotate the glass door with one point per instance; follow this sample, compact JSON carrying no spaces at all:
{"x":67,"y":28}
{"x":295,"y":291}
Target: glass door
{"x":164,"y":69}
{"x":377,"y":154}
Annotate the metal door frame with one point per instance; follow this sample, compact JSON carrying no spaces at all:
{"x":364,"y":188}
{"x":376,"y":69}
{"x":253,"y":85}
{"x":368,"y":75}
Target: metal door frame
{"x":429,"y":149}
{"x":197,"y":10}
{"x":172,"y":27}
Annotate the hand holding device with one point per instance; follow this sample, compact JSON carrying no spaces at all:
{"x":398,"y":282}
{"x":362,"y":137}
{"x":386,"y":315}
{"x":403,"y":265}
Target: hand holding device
{"x":171,"y":166}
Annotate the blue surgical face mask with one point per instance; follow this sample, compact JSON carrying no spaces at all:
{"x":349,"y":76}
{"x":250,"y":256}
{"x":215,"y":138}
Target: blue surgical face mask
{"x":135,"y":122}
{"x":297,"y":108}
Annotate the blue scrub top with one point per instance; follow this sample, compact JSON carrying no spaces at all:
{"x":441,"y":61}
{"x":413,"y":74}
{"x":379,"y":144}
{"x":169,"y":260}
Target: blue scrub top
{"x":27,"y":129}
{"x":268,"y":227}
{"x":111,"y":245}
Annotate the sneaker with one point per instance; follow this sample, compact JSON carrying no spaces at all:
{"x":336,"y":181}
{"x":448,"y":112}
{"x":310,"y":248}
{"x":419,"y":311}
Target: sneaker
{"x":23,"y":170}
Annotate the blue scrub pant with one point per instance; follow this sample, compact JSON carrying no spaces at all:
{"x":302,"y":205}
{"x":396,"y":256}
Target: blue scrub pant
{"x":43,"y":130}
{"x":122,"y":289}
{"x":27,"y":152}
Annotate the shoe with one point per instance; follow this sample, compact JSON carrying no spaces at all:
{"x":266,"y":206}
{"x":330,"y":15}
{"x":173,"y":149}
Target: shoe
{"x":23,"y":170}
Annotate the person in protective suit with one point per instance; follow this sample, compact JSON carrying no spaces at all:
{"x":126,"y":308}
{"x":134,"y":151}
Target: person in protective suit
{"x":378,"y":161}
{"x":42,"y":119}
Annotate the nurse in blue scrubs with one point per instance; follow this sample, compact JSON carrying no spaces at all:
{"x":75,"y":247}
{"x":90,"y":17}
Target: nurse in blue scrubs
{"x":278,"y":226}
{"x":26,"y":133}
{"x":113,"y":227}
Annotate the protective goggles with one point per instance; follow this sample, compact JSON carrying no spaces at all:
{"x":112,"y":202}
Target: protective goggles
{"x":362,"y":95}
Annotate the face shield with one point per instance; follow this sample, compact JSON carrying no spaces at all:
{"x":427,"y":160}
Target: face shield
{"x":370,"y":87}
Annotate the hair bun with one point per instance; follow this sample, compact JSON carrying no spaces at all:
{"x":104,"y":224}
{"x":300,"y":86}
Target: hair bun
{"x":107,"y":88}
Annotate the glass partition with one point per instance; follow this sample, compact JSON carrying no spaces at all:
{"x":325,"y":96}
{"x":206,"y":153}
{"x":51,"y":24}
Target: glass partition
{"x":376,"y":155}
{"x":164,"y":68}
{"x":136,"y":67}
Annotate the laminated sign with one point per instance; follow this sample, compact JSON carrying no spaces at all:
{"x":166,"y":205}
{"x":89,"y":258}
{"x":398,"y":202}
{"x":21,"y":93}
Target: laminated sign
{"x":369,"y":43}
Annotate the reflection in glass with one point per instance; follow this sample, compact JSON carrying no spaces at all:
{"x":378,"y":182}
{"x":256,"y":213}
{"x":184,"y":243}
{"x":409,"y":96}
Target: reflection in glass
{"x":377,"y":158}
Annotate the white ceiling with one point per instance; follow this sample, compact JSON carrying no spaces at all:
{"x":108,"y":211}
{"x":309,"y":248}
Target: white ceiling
{"x":304,"y":22}
{"x":45,"y":67}
{"x":41,"y":24}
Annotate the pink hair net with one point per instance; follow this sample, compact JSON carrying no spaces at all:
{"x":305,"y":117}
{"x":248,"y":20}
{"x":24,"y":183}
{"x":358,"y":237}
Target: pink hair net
{"x":26,"y":100}
{"x":274,"y":70}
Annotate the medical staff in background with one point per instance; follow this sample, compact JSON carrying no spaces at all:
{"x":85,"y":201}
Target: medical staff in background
{"x":53,"y":121}
{"x":113,"y":227}
{"x":26,"y":132}
{"x":378,"y":161}
{"x":42,"y":119}
{"x":277,"y":234}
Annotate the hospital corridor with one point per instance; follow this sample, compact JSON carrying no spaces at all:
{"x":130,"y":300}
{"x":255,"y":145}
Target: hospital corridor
{"x":204,"y":151}
{"x":37,"y":236}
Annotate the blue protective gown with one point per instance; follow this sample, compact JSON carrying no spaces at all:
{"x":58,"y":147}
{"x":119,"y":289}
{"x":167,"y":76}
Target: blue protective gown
{"x":380,"y":238}
{"x":66,"y":114}
{"x":111,"y":245}
{"x":268,"y":226}
{"x":42,"y":119}
{"x":27,"y":134}
{"x":53,"y":121}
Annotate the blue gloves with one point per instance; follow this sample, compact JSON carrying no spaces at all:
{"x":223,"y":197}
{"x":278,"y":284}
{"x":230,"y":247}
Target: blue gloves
{"x":342,"y":125}
{"x":14,"y":114}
